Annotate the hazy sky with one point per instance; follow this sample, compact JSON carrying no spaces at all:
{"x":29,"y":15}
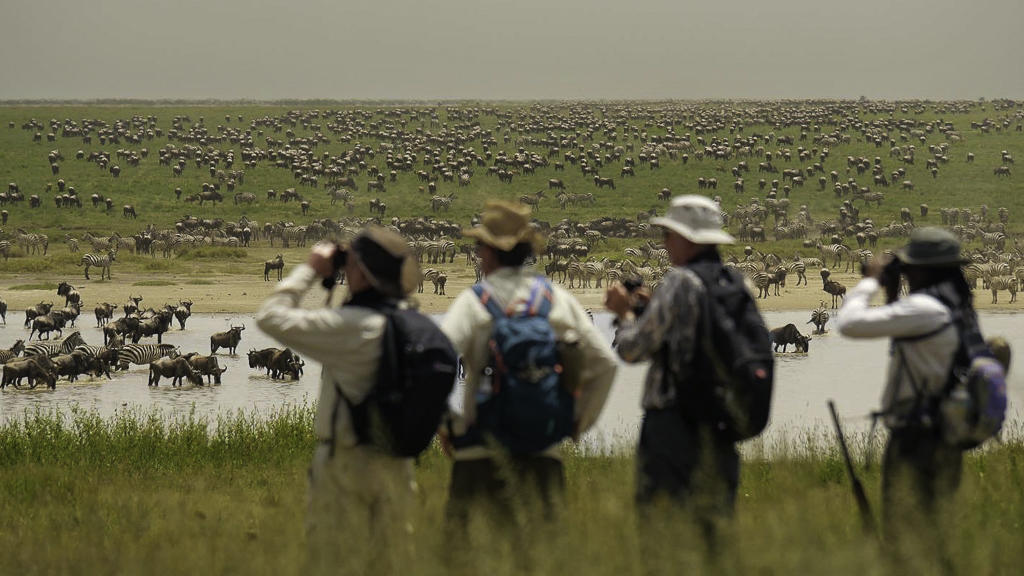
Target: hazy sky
{"x":511,"y":49}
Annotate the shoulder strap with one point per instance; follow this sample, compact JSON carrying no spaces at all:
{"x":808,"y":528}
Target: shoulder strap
{"x":537,"y":304}
{"x":387,"y":368}
{"x":488,"y":300}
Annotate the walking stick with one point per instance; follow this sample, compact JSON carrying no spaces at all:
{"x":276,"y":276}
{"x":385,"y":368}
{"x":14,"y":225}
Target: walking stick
{"x":863,"y":506}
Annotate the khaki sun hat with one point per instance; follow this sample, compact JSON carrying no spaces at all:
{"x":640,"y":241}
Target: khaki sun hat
{"x":385,"y":258}
{"x":696,"y":218}
{"x":504,"y":225}
{"x":931,"y":247}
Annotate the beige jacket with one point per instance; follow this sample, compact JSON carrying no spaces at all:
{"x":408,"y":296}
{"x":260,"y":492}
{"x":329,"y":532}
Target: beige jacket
{"x":345,"y":340}
{"x":468,"y":325}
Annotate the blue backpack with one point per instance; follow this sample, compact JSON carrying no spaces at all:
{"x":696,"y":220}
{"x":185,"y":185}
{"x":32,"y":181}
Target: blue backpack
{"x":527,"y":409}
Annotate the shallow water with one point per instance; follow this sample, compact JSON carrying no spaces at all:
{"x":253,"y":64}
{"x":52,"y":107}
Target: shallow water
{"x":848,"y":371}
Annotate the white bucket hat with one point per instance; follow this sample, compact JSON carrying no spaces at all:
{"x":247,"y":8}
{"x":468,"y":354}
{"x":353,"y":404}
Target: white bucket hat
{"x":696,"y":218}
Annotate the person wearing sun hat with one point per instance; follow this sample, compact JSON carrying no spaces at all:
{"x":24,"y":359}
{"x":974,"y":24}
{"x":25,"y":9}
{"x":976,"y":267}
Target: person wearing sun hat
{"x":360,"y":498}
{"x":920,"y":471}
{"x":683,"y":459}
{"x":485,"y":479}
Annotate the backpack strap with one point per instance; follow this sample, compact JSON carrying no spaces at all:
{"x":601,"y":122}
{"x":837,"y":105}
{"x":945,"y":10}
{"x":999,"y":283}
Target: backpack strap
{"x":538,"y":303}
{"x":488,"y":300}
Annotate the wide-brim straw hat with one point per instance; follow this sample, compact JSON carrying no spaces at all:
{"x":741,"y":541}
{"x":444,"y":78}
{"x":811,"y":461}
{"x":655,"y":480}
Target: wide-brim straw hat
{"x":932,"y":247}
{"x":387,"y":261}
{"x":504,"y":224}
{"x":696,"y":218}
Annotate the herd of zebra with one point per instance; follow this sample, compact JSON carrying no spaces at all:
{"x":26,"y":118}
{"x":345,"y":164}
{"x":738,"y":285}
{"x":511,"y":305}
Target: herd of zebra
{"x":45,"y":361}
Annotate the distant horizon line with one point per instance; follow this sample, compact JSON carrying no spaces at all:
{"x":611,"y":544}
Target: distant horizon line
{"x":442,"y":101}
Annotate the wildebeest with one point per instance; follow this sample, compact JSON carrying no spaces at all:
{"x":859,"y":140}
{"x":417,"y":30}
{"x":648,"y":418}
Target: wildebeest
{"x":12,"y":352}
{"x":104,"y":313}
{"x":285,"y":362}
{"x":71,"y":296}
{"x":787,"y":335}
{"x":183,"y":311}
{"x":52,"y":322}
{"x":206,"y":366}
{"x":37,"y":310}
{"x":3,"y":310}
{"x":175,"y":369}
{"x":35,"y":368}
{"x":229,"y":339}
{"x":155,"y":325}
{"x":261,"y":358}
{"x":276,"y":264}
{"x":74,"y":364}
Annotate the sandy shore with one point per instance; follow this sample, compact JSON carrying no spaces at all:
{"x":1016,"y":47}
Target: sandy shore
{"x":243,"y":295}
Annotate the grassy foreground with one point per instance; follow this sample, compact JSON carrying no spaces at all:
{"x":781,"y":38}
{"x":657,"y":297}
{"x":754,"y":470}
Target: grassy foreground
{"x":138,"y":494}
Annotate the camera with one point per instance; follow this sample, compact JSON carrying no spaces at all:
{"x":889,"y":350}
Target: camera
{"x":889,"y":279}
{"x":632,"y":283}
{"x":339,"y":258}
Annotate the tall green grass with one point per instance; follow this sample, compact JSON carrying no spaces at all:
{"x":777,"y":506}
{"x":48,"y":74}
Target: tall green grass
{"x":145,"y":492}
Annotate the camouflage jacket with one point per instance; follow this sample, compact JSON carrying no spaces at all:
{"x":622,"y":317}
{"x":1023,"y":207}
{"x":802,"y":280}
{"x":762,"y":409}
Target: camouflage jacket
{"x":665,"y":332}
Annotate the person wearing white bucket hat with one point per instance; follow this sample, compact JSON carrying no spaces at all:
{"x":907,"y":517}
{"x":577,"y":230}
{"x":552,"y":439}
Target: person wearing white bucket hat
{"x":683,"y":456}
{"x":696,"y":218}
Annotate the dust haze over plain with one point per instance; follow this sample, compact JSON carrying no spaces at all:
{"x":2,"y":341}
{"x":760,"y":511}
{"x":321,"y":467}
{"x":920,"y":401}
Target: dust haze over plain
{"x":515,"y":50}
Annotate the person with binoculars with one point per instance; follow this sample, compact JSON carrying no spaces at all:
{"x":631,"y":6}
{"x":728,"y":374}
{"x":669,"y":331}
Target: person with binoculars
{"x":360,"y":498}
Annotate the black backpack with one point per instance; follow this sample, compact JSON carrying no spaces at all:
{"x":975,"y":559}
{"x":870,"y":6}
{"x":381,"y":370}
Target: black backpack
{"x":416,"y":375}
{"x":735,"y":355}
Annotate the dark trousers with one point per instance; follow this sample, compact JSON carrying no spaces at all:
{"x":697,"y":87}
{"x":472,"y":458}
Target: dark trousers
{"x":920,"y":477}
{"x":685,"y":465}
{"x":505,"y":488}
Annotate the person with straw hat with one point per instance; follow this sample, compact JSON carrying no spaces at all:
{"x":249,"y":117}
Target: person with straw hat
{"x":684,"y":459}
{"x":485,"y":476}
{"x":360,"y":498}
{"x":933,"y":328}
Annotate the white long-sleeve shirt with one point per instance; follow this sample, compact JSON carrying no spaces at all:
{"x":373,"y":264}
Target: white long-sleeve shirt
{"x":468,"y":325}
{"x":926,"y":361}
{"x":345,"y":340}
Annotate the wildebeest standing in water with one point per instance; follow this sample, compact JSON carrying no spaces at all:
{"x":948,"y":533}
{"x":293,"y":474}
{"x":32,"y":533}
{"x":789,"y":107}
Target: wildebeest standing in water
{"x":229,"y":339}
{"x":789,"y":334}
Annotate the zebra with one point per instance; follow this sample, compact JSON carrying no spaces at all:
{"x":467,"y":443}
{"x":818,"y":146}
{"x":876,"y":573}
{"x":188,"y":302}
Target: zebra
{"x":33,"y":241}
{"x":765,"y":280}
{"x":596,"y":269}
{"x":5,"y":249}
{"x":438,"y":250}
{"x":439,"y":281}
{"x":12,"y":352}
{"x":431,"y":275}
{"x":1008,"y":283}
{"x":440,"y":203}
{"x":51,"y":349}
{"x":819,"y":318}
{"x":144,"y":354}
{"x":106,"y":355}
{"x":101,"y":262}
{"x":532,"y":200}
{"x":293,"y":234}
{"x":836,"y":251}
{"x":800,"y":269}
